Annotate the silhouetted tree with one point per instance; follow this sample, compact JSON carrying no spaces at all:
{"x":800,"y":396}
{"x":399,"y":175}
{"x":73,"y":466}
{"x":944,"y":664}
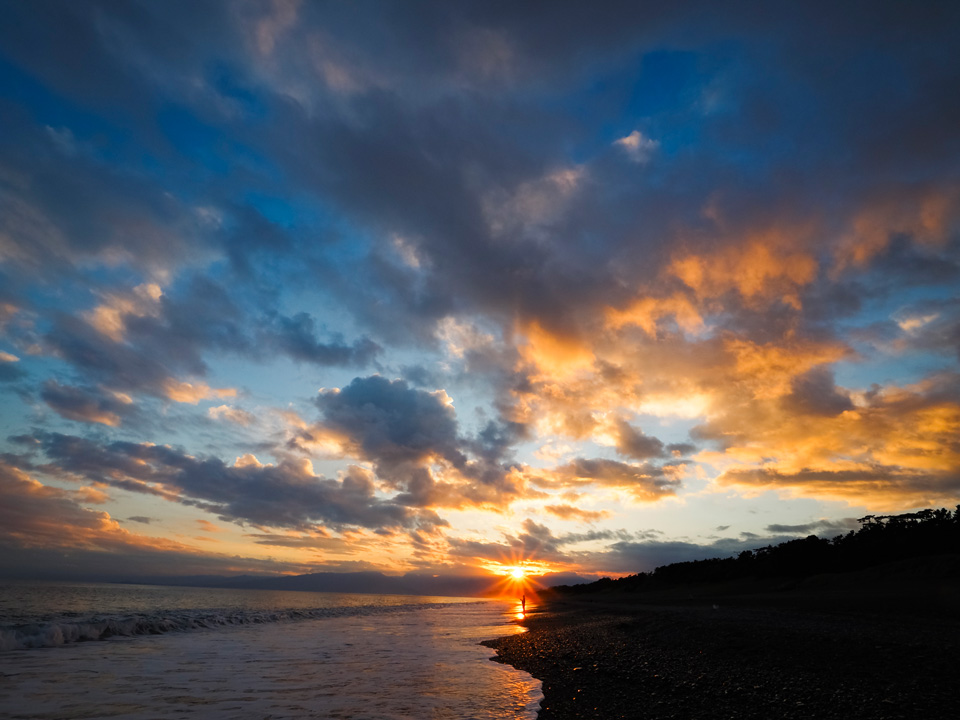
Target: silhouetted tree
{"x":880,"y":539}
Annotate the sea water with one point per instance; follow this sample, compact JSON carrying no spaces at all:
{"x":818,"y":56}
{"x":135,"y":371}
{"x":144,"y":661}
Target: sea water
{"x":119,"y":651}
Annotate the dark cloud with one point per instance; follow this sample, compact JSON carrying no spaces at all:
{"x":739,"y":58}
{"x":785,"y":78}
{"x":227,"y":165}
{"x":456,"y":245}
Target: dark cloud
{"x":904,"y":262}
{"x":218,"y":181}
{"x":819,"y":527}
{"x":396,"y":162}
{"x":633,"y":443}
{"x":419,"y":376}
{"x":392,"y":423}
{"x":396,"y":175}
{"x":622,"y":551}
{"x":815,"y":393}
{"x":497,"y":438}
{"x":85,"y":404}
{"x":295,"y":337}
{"x":46,"y":532}
{"x":645,"y":556}
{"x":155,"y":346}
{"x":284,"y":495}
{"x":932,"y":325}
{"x":11,"y":372}
{"x":680,"y":449}
{"x":119,"y":365}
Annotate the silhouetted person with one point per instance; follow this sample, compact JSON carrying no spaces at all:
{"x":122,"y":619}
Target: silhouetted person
{"x":523,"y":604}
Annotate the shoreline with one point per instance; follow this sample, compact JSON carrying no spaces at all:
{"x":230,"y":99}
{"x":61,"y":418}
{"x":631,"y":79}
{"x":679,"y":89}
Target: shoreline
{"x":616,"y":658}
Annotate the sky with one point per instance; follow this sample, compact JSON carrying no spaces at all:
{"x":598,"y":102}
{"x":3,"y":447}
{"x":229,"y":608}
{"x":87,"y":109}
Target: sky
{"x":447,"y":288}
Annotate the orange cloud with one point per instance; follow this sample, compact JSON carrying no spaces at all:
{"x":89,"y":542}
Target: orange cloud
{"x":569,"y":512}
{"x":768,"y":369}
{"x":35,"y":515}
{"x":231,"y":414}
{"x":890,"y":450}
{"x":192,"y":393}
{"x":765,"y":267}
{"x":552,"y":354}
{"x":644,"y":482}
{"x":110,"y":316}
{"x":926,"y":215}
{"x":208,"y":526}
{"x":647,"y":312}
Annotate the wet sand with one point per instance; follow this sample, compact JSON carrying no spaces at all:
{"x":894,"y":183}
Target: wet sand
{"x":618,"y":659}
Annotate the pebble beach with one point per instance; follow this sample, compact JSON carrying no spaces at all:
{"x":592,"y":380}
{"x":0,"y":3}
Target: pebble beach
{"x":621,"y":660}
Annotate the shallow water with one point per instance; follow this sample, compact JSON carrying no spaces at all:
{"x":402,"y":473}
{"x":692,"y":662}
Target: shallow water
{"x":382,"y":657}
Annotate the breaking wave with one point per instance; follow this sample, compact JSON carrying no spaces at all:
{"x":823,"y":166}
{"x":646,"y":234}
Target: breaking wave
{"x":63,"y":631}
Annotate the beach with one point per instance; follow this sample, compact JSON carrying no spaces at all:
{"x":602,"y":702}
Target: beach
{"x":616,"y":658}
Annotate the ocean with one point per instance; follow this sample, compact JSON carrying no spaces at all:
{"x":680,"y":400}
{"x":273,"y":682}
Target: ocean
{"x":138,"y":651}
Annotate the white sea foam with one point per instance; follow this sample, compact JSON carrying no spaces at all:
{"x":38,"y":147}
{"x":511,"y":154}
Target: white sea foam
{"x":61,"y":631}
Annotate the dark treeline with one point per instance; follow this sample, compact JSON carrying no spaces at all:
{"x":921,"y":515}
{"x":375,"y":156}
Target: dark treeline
{"x":880,"y":539}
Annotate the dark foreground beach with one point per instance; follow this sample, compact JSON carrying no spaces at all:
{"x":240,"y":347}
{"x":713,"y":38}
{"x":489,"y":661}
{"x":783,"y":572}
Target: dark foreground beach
{"x":616,"y":658}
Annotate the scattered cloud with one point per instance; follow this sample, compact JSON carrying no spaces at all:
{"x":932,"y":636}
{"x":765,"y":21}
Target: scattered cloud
{"x":624,"y":262}
{"x":637,"y":146}
{"x":231,"y":414}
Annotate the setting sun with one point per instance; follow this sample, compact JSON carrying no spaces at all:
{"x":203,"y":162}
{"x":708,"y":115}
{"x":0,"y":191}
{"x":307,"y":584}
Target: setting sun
{"x":518,"y":573}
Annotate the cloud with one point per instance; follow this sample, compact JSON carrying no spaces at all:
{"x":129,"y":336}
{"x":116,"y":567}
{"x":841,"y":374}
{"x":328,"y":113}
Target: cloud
{"x":231,"y":414}
{"x":412,"y":437}
{"x":821,"y":527}
{"x":637,"y":147}
{"x":285,"y":495}
{"x":110,"y":317}
{"x":814,"y":393}
{"x":59,"y":211}
{"x":45,"y":532}
{"x":295,"y":337}
{"x":886,"y":486}
{"x":209,"y":527}
{"x":644,"y":482}
{"x":932,"y":325}
{"x":569,"y":512}
{"x":390,"y":422}
{"x":635,"y":444}
{"x":187,"y":392}
{"x":154,"y":342}
{"x":761,"y":268}
{"x":464,"y":193}
{"x":86,"y":404}
{"x":271,"y":27}
{"x":9,"y":370}
{"x":37,"y":515}
{"x":604,"y":551}
{"x":647,"y":555}
{"x":894,"y":448}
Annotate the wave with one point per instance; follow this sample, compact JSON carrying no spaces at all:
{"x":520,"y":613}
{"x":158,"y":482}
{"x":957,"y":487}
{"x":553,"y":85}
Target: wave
{"x":64,"y":631}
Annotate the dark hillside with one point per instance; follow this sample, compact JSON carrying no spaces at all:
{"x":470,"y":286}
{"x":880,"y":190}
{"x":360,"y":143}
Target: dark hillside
{"x":890,"y":559}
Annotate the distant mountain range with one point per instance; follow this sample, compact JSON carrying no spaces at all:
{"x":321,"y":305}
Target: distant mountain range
{"x":361,"y":582}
